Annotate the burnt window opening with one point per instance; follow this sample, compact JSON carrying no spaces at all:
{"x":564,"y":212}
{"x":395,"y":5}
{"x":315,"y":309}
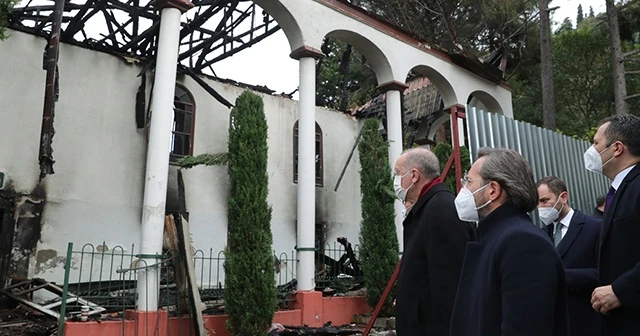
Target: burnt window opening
{"x":183,"y":124}
{"x":319,"y":155}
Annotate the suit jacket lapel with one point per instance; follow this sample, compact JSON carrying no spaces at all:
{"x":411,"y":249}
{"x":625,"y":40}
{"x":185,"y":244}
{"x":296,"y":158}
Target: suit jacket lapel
{"x":575,"y":226}
{"x":609,"y":211}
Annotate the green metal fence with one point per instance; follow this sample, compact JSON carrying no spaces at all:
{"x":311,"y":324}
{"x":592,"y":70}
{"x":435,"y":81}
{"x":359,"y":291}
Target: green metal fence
{"x":107,"y":278}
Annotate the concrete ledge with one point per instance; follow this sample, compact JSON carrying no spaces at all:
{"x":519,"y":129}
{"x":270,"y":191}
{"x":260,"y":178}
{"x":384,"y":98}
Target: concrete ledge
{"x":310,"y":309}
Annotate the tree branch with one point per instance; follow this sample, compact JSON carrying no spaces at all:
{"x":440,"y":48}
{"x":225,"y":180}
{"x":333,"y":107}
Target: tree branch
{"x":630,"y":53}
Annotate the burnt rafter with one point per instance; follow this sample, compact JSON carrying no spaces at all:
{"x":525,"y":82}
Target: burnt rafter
{"x":211,"y":32}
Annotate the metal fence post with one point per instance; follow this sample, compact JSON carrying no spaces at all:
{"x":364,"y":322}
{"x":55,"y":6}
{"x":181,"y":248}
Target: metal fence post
{"x":65,"y":291}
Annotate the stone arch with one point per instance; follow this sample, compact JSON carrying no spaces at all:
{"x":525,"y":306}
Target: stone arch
{"x":285,"y":20}
{"x":429,"y":127}
{"x":442,"y":84}
{"x":374,"y":55}
{"x":484,"y":101}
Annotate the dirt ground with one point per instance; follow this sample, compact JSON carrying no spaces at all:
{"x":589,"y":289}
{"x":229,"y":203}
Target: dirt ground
{"x":18,"y":322}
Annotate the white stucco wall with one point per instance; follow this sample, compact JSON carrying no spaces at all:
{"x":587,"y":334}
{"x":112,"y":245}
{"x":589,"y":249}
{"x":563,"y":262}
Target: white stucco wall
{"x":95,"y":195}
{"x":207,"y":187}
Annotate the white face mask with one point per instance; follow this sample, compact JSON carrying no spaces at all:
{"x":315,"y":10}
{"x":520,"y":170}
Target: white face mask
{"x":397,"y":186}
{"x":550,"y":214}
{"x":593,"y":159}
{"x":466,"y":204}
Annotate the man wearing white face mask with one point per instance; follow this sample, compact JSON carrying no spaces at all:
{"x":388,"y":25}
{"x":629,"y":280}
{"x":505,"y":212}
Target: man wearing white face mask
{"x":512,"y":281}
{"x":616,"y":154}
{"x":434,"y":243}
{"x":576,"y":237}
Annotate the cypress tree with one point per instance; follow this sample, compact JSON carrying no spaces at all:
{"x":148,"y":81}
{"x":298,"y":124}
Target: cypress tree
{"x":580,"y":16}
{"x":250,"y":291}
{"x":378,"y":240}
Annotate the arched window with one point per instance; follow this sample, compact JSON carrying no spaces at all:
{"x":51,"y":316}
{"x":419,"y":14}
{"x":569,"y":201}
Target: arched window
{"x":319,"y":170}
{"x":183,"y":124}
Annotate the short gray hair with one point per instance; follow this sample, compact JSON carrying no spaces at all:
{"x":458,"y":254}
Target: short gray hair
{"x":423,"y":160}
{"x":513,"y":173}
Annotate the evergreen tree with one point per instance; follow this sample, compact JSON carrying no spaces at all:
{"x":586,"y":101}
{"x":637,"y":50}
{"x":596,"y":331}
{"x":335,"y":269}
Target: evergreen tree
{"x":591,"y":14}
{"x":378,"y":240}
{"x":580,"y":15}
{"x":5,"y":8}
{"x":250,"y":292}
{"x":565,"y":26}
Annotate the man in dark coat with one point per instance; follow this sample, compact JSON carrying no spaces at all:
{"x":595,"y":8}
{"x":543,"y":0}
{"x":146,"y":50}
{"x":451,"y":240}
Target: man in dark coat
{"x":512,"y":281}
{"x":576,"y":238}
{"x":434,"y":243}
{"x":616,"y":153}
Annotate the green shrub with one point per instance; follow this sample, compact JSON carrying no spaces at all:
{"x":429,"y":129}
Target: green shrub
{"x":250,"y":290}
{"x":378,"y":240}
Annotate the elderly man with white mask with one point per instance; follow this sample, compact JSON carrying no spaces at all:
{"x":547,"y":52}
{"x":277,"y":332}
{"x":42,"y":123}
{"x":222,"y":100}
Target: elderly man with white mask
{"x":434,"y":243}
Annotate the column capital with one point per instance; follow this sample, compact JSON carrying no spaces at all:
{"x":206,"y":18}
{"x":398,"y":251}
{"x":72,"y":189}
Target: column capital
{"x":182,"y":5}
{"x":459,"y":110}
{"x":392,"y":86}
{"x":306,"y":51}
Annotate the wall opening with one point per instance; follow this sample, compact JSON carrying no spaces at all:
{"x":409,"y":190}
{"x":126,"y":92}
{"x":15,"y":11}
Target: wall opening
{"x":319,"y":155}
{"x":184,"y":109}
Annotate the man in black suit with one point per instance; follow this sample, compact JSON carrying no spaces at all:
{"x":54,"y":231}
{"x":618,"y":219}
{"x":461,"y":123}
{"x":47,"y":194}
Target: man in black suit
{"x":512,"y":281}
{"x":434,"y":243}
{"x":616,"y":153}
{"x":576,"y":237}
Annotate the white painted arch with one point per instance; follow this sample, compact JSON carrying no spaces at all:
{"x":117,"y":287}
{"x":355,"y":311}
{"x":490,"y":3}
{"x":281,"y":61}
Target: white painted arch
{"x":375,"y":56}
{"x":392,"y":53}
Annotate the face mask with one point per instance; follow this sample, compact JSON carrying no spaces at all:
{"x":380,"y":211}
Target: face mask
{"x":466,"y":205}
{"x":548,"y":215}
{"x":593,"y":160}
{"x":397,"y":186}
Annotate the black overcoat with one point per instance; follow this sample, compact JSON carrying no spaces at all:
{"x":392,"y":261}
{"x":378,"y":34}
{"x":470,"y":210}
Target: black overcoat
{"x":434,"y":244}
{"x":512,"y":281}
{"x":619,"y":263}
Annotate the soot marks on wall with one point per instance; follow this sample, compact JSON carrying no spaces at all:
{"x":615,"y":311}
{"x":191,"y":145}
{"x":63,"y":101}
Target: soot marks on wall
{"x":28,"y":228}
{"x":321,"y":226}
{"x":48,"y":259}
{"x":7,"y":229}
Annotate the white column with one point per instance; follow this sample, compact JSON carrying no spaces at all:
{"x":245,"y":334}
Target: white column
{"x":306,"y":175}
{"x":394,"y":135}
{"x":155,"y":186}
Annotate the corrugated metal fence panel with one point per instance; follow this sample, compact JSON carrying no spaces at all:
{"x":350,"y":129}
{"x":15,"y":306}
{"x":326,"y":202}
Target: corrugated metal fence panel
{"x":548,"y":153}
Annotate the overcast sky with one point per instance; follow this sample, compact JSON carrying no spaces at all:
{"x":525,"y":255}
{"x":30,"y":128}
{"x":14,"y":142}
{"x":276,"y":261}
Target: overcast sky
{"x":268,"y":62}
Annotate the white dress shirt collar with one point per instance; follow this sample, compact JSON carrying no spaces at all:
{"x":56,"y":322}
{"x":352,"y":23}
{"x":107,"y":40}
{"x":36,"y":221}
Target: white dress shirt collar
{"x":620,"y":177}
{"x":567,"y":219}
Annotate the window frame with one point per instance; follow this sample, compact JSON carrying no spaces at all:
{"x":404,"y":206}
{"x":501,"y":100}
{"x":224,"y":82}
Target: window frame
{"x":173,"y":158}
{"x":319,"y":144}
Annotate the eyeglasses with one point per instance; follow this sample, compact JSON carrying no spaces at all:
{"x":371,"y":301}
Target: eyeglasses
{"x":464,"y":180}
